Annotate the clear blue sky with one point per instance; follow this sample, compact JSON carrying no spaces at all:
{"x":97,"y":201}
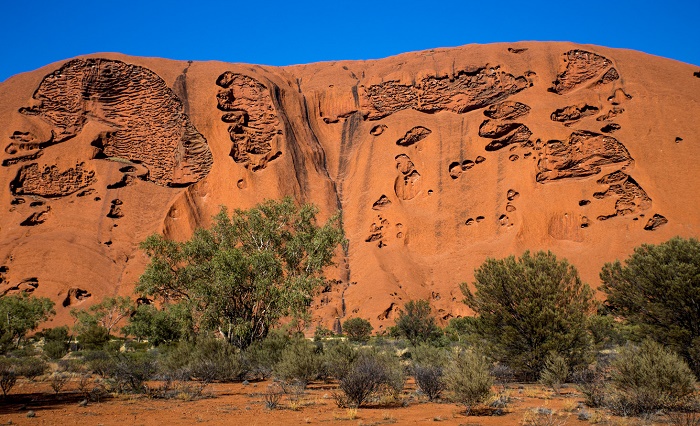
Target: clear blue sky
{"x":35,"y":33}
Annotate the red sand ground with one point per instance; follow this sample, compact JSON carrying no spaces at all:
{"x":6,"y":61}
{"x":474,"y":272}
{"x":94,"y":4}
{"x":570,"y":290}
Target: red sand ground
{"x":244,"y":405}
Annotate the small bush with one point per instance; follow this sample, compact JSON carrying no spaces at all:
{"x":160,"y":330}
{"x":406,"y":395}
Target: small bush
{"x":648,"y":378}
{"x":131,"y":371}
{"x":337,"y":358}
{"x":590,"y":381}
{"x":416,"y":324}
{"x":467,"y":377}
{"x":8,"y":377}
{"x":58,"y":381}
{"x":216,"y":360}
{"x":30,"y":368}
{"x":99,"y":362}
{"x":93,"y":338}
{"x":300,"y":363}
{"x":357,"y":329}
{"x":369,"y":374}
{"x":263,"y":355}
{"x":429,"y":380}
{"x":321,"y":333}
{"x":272,"y":396}
{"x":55,"y":342}
{"x":555,"y":372}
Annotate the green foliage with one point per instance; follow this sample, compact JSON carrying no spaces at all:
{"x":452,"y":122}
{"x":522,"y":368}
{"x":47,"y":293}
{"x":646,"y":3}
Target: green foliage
{"x":20,"y":314}
{"x":428,"y":366}
{"x":357,"y":329}
{"x":301,"y":363}
{"x":467,"y":378}
{"x":321,"y":333}
{"x":338,"y":356}
{"x":207,"y":359}
{"x":105,"y":314}
{"x":130,"y":371}
{"x":416,"y":324}
{"x":263,"y":355}
{"x":658,"y":290}
{"x":425,"y":354}
{"x":460,"y":329}
{"x":529,"y":307}
{"x":55,"y":342}
{"x":30,"y":367}
{"x":246,"y":272}
{"x":158,"y":326}
{"x":555,"y":372}
{"x":648,"y":378}
{"x":93,"y":337}
{"x":8,"y":376}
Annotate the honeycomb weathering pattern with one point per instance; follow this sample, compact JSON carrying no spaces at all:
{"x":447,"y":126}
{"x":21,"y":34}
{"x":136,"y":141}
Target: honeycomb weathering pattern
{"x":579,"y":67}
{"x":467,"y":91}
{"x":148,"y":120}
{"x":581,"y":155}
{"x":51,"y":182}
{"x":253,"y":123}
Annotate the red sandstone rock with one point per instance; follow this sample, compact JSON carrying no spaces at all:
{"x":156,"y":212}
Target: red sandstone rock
{"x":439,"y":159}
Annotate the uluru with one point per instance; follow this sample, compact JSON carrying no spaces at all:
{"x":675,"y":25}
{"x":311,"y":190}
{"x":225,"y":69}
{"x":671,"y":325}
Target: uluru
{"x":436,"y":160}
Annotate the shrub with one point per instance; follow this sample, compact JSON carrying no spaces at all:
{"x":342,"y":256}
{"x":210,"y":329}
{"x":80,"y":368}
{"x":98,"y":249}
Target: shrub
{"x":93,"y":337}
{"x":8,"y":376}
{"x":58,"y":381}
{"x":55,"y":342}
{"x":99,"y":362}
{"x":263,"y":355}
{"x":321,"y":333}
{"x":300,"y":363}
{"x":208,"y":359}
{"x":648,"y":378}
{"x":338,"y":356}
{"x":590,"y":381}
{"x":555,"y":372}
{"x":416,"y":324}
{"x":132,"y":370}
{"x":357,"y":329}
{"x":428,"y":365}
{"x":467,"y":377}
{"x":429,"y":380}
{"x":30,"y":368}
{"x":529,"y":307}
{"x":370,"y":373}
{"x":657,"y":289}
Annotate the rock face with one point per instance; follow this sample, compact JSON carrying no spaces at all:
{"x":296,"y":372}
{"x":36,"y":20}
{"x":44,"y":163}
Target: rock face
{"x":438,"y":160}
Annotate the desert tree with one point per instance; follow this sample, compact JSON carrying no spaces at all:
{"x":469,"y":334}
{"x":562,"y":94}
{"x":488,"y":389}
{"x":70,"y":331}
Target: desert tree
{"x":657,"y":289}
{"x":416,"y":323}
{"x":20,"y":314}
{"x":247,"y":271}
{"x":528,"y":308}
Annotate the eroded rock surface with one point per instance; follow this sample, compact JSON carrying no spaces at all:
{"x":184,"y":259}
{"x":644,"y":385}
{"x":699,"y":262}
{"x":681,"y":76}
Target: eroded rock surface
{"x":466,"y":91}
{"x":148,"y":119}
{"x":254,"y":126}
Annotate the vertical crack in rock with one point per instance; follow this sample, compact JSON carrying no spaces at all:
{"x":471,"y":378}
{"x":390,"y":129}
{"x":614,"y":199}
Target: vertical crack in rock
{"x":254,"y":125}
{"x":466,"y":91}
{"x":148,"y":121}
